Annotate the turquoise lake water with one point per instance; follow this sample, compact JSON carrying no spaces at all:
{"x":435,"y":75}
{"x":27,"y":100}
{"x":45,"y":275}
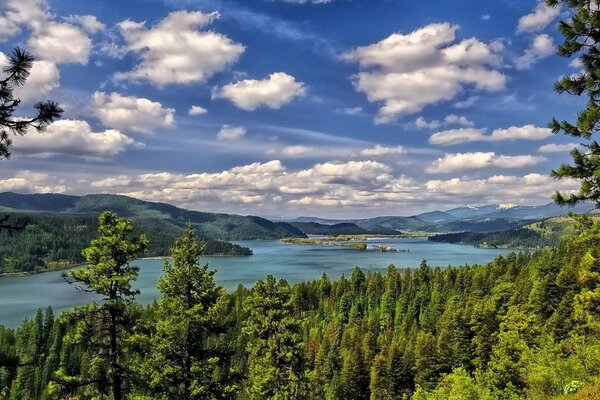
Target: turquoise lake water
{"x":20,"y":297}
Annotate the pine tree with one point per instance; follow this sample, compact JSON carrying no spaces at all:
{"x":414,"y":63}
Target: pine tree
{"x":16,"y":73}
{"x":185,"y":359}
{"x":582,"y":35}
{"x":275,"y":351}
{"x":103,"y":328}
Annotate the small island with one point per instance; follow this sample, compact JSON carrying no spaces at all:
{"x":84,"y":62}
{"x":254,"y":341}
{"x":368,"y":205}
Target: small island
{"x":357,"y":242}
{"x":222,"y":248}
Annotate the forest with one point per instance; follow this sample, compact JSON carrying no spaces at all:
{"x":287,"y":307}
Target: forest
{"x":53,"y":240}
{"x":525,"y":326}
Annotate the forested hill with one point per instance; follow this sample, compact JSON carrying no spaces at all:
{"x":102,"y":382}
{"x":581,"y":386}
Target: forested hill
{"x":212,"y":226}
{"x":61,"y":226}
{"x":547,"y":232}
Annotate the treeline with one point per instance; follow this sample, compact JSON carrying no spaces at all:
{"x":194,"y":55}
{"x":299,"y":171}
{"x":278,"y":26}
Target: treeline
{"x":525,"y":326}
{"x":519,"y":238}
{"x":55,"y":240}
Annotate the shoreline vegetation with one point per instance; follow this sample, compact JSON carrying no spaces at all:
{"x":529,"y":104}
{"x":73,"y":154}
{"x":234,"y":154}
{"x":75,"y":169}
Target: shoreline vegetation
{"x":213,"y":248}
{"x":357,"y":242}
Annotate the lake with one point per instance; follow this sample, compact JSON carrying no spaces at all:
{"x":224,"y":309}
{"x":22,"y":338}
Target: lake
{"x":20,"y":297}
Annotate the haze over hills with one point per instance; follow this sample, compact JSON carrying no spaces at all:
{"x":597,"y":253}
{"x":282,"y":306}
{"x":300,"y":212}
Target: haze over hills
{"x":487,"y":218}
{"x":218,"y":226}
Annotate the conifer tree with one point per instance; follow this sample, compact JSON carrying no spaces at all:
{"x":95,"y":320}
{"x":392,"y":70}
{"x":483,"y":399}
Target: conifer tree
{"x":16,"y":73}
{"x":581,"y":33}
{"x":185,"y":359}
{"x":275,"y":351}
{"x":103,"y":328}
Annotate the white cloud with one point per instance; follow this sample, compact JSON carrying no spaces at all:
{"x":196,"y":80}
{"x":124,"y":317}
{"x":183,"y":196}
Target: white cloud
{"x":539,"y":19}
{"x":297,"y":150}
{"x":33,"y":182}
{"x":32,"y":13}
{"x":468,"y":102}
{"x":478,"y":160}
{"x":175,"y":51}
{"x":274,"y":92}
{"x":228,"y":132}
{"x":43,"y":78}
{"x":380,"y":151}
{"x":452,"y":119}
{"x":407,"y":72}
{"x":131,"y":113}
{"x":72,"y":137}
{"x":88,"y":22}
{"x":531,"y":188}
{"x":60,"y":43}
{"x":197,"y":110}
{"x":466,"y":135}
{"x":112,"y":182}
{"x":541,"y":47}
{"x":558,"y":148}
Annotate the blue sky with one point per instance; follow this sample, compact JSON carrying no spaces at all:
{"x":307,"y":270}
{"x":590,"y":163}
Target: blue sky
{"x":340,"y":108}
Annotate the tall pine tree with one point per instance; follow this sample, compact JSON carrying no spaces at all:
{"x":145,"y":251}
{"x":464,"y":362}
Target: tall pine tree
{"x":275,"y":352}
{"x":186,"y":361}
{"x":581,"y":32}
{"x":103,"y":328}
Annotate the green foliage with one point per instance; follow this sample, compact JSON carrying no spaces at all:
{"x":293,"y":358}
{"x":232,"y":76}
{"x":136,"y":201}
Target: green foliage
{"x":183,"y":360}
{"x":275,"y":362}
{"x":103,"y":328}
{"x":16,"y":73}
{"x":55,"y":241}
{"x":581,"y":33}
{"x":524,"y":326}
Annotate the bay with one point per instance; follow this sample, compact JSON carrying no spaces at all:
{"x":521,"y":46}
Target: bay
{"x":21,"y":296}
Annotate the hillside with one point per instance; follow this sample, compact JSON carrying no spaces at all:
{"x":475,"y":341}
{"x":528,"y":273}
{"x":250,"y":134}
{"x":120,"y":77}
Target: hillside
{"x":61,"y":226}
{"x":488,"y":218}
{"x":210,"y":226}
{"x":548,"y":232}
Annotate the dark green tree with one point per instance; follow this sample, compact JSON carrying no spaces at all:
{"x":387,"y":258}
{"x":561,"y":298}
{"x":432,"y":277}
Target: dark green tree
{"x":581,"y":33}
{"x":185,"y":360}
{"x":275,"y":350}
{"x":103,"y":328}
{"x":16,"y":73}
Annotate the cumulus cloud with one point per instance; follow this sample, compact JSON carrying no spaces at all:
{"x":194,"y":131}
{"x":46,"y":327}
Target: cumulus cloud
{"x":466,"y":135}
{"x":274,"y":92}
{"x":228,"y":132}
{"x":558,"y":148}
{"x":197,"y":110}
{"x":44,"y":78}
{"x":478,"y":160}
{"x":530,"y":188}
{"x":33,"y":182}
{"x":407,"y":72}
{"x":176,"y":51}
{"x":539,"y":19}
{"x":380,"y":151}
{"x":88,"y":22}
{"x":32,"y":13}
{"x":60,"y":43}
{"x":72,"y":137}
{"x":131,"y":113}
{"x":452,"y":119}
{"x":541,"y":47}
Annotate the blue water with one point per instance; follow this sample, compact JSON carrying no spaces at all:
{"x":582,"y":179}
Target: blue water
{"x":20,"y":297}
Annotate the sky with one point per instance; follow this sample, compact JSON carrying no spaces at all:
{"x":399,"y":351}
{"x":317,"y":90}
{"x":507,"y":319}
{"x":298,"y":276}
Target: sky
{"x":330,"y":108}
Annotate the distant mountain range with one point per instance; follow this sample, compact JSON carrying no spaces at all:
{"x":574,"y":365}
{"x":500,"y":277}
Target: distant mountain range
{"x":488,"y":218}
{"x":216,"y":226}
